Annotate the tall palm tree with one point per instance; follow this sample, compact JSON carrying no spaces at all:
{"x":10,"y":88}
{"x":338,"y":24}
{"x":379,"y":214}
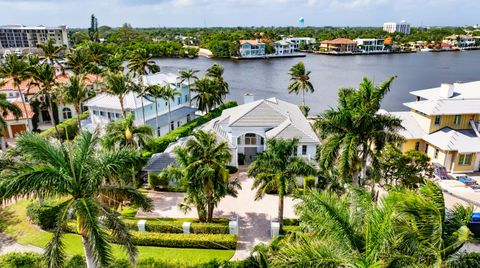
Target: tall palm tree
{"x":114,"y":62}
{"x":215,"y":72}
{"x":300,"y":80}
{"x":122,"y":132}
{"x":140,"y":64}
{"x":78,"y":61}
{"x":50,"y":51}
{"x":207,"y":96}
{"x":18,"y":70}
{"x":97,"y":54}
{"x":355,"y":131}
{"x":202,"y":169}
{"x":156,"y":92}
{"x":119,"y":85}
{"x":187,"y":75}
{"x":404,"y":229}
{"x":44,"y":77}
{"x":76,"y":92}
{"x":277,"y":168}
{"x":168,"y":93}
{"x":6,"y":107}
{"x":86,"y":176}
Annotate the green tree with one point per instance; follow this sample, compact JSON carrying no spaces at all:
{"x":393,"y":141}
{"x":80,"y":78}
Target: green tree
{"x":269,"y":48}
{"x":207,"y":94}
{"x":215,"y":72}
{"x":114,"y":62}
{"x":78,"y":61}
{"x":202,"y":169}
{"x":187,"y":75}
{"x":277,"y":169}
{"x":18,"y":70}
{"x":300,"y":81}
{"x":355,"y":131}
{"x":118,"y":85}
{"x":75,"y":92}
{"x":85,"y":176}
{"x":51,"y":52}
{"x":168,"y":93}
{"x":6,"y":107}
{"x":123,"y":132}
{"x":97,"y":54}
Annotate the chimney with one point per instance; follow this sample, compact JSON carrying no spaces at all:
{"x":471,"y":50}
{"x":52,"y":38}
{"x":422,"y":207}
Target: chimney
{"x":248,"y":97}
{"x":446,"y":90}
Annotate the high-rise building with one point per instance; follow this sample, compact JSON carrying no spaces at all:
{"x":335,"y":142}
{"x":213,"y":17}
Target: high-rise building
{"x":20,"y":36}
{"x":402,"y":27}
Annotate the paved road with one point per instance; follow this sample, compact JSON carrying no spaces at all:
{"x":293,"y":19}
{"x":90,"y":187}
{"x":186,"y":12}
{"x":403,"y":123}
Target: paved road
{"x":254,"y":216}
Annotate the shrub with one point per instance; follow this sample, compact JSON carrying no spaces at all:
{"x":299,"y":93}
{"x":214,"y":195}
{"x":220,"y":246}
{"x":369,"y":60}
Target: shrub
{"x":176,"y":227}
{"x":295,"y":222}
{"x":209,"y":228}
{"x":76,"y":261}
{"x":160,"y":144}
{"x":44,"y":215}
{"x":286,"y":229}
{"x":308,"y":182}
{"x":69,"y":127}
{"x":21,"y":260}
{"x":157,"y":181}
{"x":209,"y":241}
{"x":232,"y":169}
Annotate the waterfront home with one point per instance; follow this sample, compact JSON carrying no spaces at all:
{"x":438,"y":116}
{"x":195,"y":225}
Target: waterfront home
{"x":299,"y":41}
{"x":444,"y":123}
{"x":105,"y":108}
{"x":16,"y":125}
{"x":246,"y":127}
{"x":339,"y":45}
{"x":283,"y":47}
{"x":370,"y":45}
{"x":252,"y":48}
{"x":461,"y":41}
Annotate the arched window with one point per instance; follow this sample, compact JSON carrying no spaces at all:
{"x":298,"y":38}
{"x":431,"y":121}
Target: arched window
{"x":250,"y":139}
{"x":67,"y":113}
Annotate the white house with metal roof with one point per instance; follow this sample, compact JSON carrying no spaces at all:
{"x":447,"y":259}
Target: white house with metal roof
{"x":105,"y":108}
{"x":246,"y":127}
{"x":444,"y":122}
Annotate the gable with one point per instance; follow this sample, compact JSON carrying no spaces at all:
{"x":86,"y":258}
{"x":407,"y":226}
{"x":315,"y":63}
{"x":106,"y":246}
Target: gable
{"x":263,"y":115}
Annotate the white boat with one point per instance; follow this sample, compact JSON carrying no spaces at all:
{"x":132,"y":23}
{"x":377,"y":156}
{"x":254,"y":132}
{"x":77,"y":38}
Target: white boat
{"x":426,"y":50}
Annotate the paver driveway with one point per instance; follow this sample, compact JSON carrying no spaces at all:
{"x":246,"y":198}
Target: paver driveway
{"x":254,"y":216}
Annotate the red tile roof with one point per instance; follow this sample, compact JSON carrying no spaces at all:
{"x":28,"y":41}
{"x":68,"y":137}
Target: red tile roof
{"x":29,"y":114}
{"x":251,"y":42}
{"x":339,"y":41}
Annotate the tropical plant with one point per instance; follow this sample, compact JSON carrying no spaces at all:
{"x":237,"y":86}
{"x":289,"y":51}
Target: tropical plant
{"x":355,"y":131}
{"x":87,"y":178}
{"x":18,"y":70}
{"x":78,"y":61}
{"x":97,"y":53}
{"x":75,"y":92}
{"x":300,"y":80}
{"x":155,"y":91}
{"x":215,"y":72}
{"x":404,"y":229}
{"x":51,"y":52}
{"x":123,"y":132}
{"x":6,"y":107}
{"x":277,"y":169}
{"x":168,"y":93}
{"x":187,"y":75}
{"x":118,"y":85}
{"x":202,"y":169}
{"x":208,"y":95}
{"x":114,"y":62}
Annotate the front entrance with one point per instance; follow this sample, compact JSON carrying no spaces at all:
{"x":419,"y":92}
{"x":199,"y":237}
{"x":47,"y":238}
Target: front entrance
{"x":250,"y":154}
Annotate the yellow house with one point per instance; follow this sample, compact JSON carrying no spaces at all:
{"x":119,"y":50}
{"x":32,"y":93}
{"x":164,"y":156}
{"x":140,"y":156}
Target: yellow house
{"x":444,"y":123}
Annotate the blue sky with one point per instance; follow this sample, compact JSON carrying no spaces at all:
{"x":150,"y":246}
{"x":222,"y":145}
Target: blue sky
{"x":188,"y":13}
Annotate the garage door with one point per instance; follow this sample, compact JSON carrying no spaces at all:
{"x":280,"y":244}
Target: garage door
{"x":16,"y":129}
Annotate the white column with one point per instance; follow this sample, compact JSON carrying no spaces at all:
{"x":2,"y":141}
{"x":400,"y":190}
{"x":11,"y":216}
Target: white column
{"x":186,"y":227}
{"x":141,"y":225}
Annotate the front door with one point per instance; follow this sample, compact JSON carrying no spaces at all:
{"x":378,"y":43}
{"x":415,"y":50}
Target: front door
{"x":17,"y":129}
{"x":250,"y":154}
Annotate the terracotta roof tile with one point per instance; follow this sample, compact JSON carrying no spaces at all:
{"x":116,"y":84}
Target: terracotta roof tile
{"x":339,"y":41}
{"x":29,"y":114}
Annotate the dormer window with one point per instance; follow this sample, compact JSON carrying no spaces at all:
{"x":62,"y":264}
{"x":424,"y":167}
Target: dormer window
{"x":418,"y":98}
{"x":437,"y":120}
{"x":457,"y":119}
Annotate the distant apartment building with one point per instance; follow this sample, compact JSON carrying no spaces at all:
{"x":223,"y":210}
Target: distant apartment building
{"x":367,"y":45}
{"x":252,"y":48}
{"x":25,"y":37}
{"x":339,"y":45}
{"x":299,"y":41}
{"x":283,"y":47}
{"x":402,"y":27}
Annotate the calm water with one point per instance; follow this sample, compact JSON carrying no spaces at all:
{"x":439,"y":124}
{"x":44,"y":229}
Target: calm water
{"x":268,"y":78}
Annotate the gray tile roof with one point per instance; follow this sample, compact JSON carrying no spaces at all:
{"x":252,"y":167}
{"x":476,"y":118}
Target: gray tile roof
{"x":159,"y":162}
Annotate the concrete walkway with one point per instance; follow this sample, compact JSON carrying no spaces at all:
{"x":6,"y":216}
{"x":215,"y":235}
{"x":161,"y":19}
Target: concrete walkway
{"x":254,"y":216}
{"x":8,"y":245}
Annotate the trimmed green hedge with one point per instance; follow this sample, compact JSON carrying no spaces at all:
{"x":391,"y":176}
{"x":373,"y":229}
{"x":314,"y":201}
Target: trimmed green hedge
{"x":176,"y":227}
{"x":159,"y":144}
{"x":44,"y":215}
{"x":209,"y":241}
{"x":156,"y":181}
{"x":69,"y":127}
{"x":21,"y":260}
{"x":291,"y":229}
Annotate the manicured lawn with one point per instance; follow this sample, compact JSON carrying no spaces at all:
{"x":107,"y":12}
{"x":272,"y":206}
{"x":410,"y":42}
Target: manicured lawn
{"x":27,"y":233}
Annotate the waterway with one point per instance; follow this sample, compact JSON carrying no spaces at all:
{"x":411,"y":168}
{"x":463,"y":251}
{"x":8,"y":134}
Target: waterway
{"x":269,"y":78}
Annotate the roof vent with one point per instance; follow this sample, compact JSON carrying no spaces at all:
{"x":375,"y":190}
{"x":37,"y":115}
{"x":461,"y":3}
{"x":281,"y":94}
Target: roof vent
{"x":248,"y":97}
{"x":446,"y":90}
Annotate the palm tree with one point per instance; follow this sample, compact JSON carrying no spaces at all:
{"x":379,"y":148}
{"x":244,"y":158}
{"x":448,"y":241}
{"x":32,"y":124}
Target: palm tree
{"x":168,"y":93}
{"x":139,"y":64}
{"x":202,"y":169}
{"x":75,"y":93}
{"x":50,"y":51}
{"x":18,"y":70}
{"x":277,"y":169}
{"x":156,"y":92}
{"x":78,"y":61}
{"x":114,"y":62}
{"x":215,"y":72}
{"x":122,"y":132}
{"x":404,"y":229}
{"x":118,"y":85}
{"x":355,"y":131}
{"x":5,"y":108}
{"x":186,"y":75}
{"x":97,"y":54}
{"x":208,"y":95}
{"x":300,"y":80}
{"x":86,"y":176}
{"x":44,"y":77}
